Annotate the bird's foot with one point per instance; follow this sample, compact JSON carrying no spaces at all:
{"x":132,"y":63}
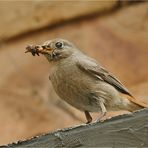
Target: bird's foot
{"x":88,"y":117}
{"x":101,"y":118}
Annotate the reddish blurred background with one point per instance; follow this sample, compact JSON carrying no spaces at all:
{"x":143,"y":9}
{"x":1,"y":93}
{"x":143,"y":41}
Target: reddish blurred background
{"x":113,"y":32}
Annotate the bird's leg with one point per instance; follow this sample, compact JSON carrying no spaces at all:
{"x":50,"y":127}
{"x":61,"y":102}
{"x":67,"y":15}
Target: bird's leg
{"x":103,"y":111}
{"x":88,"y":117}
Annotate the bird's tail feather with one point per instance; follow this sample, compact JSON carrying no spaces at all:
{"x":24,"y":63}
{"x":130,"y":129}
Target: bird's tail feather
{"x":135,"y":104}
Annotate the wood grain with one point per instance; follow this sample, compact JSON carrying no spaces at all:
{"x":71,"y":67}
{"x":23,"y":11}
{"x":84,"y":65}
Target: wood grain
{"x":124,"y":131}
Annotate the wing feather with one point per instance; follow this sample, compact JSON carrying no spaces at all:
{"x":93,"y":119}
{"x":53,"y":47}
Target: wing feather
{"x":94,"y":69}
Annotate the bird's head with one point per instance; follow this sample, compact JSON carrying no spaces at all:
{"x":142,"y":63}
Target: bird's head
{"x":54,"y":49}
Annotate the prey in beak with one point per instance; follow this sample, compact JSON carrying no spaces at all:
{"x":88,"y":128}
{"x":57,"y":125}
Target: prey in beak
{"x":37,"y":49}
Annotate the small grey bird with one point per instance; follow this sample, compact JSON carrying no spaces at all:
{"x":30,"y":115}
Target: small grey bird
{"x":82,"y":82}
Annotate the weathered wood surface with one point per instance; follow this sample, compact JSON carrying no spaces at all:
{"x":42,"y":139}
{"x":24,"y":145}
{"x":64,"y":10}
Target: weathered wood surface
{"x":121,"y":131}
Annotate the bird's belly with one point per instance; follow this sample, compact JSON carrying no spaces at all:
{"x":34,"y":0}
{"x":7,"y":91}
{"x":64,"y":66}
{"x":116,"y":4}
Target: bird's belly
{"x":77,"y":91}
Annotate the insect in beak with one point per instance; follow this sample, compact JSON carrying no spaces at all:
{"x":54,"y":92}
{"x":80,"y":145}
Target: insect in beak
{"x":35,"y":50}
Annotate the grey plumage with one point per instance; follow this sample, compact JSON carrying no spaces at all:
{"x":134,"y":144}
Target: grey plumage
{"x":82,"y":82}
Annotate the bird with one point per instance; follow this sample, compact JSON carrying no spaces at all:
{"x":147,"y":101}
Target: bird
{"x":82,"y":81}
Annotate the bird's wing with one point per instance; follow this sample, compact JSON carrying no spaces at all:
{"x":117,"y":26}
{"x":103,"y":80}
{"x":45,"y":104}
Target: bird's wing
{"x":91,"y":67}
{"x":94,"y":69}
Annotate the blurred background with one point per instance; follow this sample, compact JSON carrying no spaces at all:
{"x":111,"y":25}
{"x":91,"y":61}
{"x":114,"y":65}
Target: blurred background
{"x":113,"y":32}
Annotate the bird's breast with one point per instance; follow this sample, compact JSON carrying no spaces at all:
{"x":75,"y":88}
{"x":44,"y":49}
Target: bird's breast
{"x":70,"y":83}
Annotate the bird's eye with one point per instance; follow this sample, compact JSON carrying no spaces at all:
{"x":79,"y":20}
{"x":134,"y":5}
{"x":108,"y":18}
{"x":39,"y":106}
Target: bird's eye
{"x":58,"y":45}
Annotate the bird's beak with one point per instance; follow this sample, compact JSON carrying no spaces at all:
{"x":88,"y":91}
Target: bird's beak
{"x":38,"y":49}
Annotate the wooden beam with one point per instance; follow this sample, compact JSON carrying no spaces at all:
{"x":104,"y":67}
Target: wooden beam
{"x":121,"y":131}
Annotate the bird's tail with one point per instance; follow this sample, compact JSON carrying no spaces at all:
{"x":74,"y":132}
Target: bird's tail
{"x":134,"y":103}
{"x":134,"y":106}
